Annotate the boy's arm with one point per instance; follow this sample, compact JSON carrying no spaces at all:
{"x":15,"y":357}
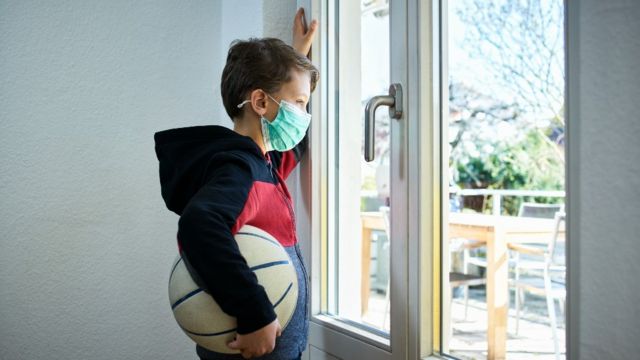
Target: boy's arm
{"x":302,"y":38}
{"x":206,"y":239}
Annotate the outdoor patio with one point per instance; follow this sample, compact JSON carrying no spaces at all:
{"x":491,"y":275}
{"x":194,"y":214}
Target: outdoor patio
{"x":468,"y":340}
{"x":533,"y":341}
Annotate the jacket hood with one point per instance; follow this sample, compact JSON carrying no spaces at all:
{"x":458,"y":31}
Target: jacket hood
{"x":185,"y":154}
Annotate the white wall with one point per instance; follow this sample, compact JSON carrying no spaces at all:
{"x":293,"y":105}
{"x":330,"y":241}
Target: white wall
{"x":240,"y":20}
{"x":278,"y":18}
{"x":87,"y":241}
{"x":604,"y":185}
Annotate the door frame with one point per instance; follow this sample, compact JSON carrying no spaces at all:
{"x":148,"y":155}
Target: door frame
{"x":424,"y":298}
{"x":415,"y":302}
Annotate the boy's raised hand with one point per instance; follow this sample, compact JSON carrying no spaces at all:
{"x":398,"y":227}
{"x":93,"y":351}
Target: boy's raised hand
{"x":259,"y":342}
{"x":303,"y":37}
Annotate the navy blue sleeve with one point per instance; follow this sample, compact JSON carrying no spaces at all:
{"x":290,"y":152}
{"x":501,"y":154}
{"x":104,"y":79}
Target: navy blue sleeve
{"x":205,"y":236}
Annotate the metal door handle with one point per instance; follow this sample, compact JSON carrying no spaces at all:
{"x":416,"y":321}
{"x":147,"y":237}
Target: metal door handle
{"x":394,"y":102}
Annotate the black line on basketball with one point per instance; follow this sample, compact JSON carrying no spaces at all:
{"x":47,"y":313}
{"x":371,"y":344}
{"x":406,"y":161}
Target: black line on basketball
{"x":258,"y":236}
{"x":174,"y":267}
{"x":185,"y":298}
{"x":283,"y":295}
{"x":212,"y":334}
{"x":269,"y":264}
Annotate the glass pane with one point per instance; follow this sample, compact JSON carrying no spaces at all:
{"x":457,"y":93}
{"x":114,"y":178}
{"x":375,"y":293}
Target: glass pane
{"x":359,"y":190}
{"x":505,"y":132}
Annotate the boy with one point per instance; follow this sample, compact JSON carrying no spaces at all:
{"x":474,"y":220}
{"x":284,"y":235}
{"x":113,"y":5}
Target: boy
{"x":218,"y":180}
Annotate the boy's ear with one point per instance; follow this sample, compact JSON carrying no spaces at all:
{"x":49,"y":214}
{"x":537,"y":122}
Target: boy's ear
{"x":259,"y":102}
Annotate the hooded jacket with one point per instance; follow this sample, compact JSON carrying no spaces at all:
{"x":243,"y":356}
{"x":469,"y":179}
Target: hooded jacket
{"x":217,"y":180}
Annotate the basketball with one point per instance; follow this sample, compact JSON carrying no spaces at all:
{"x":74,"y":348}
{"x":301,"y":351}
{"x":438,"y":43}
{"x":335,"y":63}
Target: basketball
{"x":202,"y":319}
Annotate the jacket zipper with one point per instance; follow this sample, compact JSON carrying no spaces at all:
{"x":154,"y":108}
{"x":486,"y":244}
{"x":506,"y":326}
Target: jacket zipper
{"x":284,"y":198}
{"x":293,"y":221}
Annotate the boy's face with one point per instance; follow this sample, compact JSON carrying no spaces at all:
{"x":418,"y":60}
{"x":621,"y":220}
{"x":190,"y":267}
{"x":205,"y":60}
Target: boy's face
{"x":297,"y":92}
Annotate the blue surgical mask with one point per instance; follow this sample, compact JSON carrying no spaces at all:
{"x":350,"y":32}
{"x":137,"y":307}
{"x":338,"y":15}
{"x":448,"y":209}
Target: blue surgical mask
{"x":287,"y":129}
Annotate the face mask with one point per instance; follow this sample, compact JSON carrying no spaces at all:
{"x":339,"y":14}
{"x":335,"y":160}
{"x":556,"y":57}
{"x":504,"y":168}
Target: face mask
{"x":287,"y":129}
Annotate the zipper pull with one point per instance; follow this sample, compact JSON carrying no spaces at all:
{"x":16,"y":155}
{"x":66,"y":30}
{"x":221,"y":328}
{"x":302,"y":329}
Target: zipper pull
{"x":270,"y":166}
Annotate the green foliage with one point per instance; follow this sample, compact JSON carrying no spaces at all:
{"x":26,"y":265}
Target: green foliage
{"x":532,"y":163}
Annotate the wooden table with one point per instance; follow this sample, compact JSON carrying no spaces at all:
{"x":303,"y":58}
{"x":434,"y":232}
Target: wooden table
{"x":497,"y":232}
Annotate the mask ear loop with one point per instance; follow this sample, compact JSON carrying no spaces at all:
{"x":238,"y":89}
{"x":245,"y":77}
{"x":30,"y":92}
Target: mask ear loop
{"x":274,"y":100}
{"x":242,"y":103}
{"x":249,"y":100}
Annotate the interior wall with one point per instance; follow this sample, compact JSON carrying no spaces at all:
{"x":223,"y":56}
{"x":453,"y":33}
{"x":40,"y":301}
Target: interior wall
{"x":87,"y":240}
{"x":250,"y":11}
{"x":604,"y":173}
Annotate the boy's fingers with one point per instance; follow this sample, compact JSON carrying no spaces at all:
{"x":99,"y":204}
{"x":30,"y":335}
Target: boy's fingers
{"x":298,"y":17}
{"x":235,"y":344}
{"x":312,"y":29}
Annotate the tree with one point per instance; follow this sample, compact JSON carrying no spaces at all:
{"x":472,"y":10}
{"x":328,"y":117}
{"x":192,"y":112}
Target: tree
{"x":506,"y":129}
{"x":521,"y":43}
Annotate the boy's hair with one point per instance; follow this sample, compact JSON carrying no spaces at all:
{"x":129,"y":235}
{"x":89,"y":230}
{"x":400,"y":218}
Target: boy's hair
{"x":259,"y":64}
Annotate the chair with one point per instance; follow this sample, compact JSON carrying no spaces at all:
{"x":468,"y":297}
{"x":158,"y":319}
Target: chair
{"x":455,"y":278}
{"x":527,"y":209}
{"x":544,"y":211}
{"x":540,"y":264}
{"x":464,"y":278}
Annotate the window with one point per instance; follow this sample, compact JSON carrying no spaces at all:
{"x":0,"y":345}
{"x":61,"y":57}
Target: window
{"x":503,"y":140}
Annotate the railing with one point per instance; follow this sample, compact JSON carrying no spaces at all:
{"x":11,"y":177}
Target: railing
{"x":496,"y":195}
